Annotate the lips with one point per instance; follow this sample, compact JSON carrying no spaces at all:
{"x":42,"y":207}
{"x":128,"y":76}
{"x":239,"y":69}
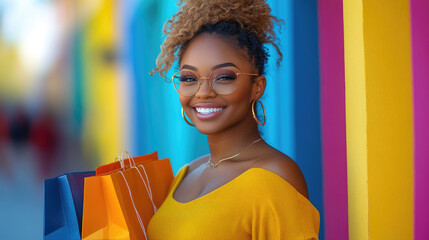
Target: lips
{"x":207,"y":111}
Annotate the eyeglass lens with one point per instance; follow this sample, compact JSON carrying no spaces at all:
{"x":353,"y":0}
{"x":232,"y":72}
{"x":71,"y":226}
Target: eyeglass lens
{"x":223,"y":81}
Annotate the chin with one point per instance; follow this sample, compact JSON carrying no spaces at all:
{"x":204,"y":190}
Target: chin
{"x":215,"y":127}
{"x":208,"y":129}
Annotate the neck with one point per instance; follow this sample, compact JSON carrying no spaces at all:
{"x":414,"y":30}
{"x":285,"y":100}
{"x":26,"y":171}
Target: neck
{"x":233,"y":140}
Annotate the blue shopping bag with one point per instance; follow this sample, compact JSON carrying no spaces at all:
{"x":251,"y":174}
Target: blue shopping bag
{"x":63,"y":206}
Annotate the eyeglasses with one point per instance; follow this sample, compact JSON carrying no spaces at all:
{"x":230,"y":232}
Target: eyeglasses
{"x":222,"y":80}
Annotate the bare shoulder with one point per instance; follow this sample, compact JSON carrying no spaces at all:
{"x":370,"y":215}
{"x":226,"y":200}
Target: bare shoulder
{"x":286,"y":168}
{"x":198,"y":162}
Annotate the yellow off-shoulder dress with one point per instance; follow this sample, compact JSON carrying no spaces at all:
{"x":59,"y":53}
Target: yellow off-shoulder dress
{"x":258,"y":204}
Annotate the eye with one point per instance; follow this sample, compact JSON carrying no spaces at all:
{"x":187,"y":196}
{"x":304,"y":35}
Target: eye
{"x":188,"y":79}
{"x":225,"y":77}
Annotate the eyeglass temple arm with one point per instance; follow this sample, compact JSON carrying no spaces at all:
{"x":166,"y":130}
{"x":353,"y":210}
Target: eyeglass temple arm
{"x":253,"y":74}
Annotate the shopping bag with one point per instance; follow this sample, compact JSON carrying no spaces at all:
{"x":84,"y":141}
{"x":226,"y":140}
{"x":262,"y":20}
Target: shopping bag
{"x":148,"y":183}
{"x":102,"y":215}
{"x":124,"y":211}
{"x":115,"y":166}
{"x":160,"y":176}
{"x":63,"y":205}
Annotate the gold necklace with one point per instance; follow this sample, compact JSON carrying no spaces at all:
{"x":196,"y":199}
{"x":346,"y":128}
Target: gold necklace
{"x":224,"y":159}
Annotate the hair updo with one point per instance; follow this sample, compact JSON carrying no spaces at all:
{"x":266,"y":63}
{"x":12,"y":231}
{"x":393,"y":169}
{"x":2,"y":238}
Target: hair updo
{"x":248,"y":23}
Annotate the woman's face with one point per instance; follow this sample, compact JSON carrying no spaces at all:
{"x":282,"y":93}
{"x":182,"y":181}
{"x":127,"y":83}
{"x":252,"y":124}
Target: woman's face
{"x":209,"y":111}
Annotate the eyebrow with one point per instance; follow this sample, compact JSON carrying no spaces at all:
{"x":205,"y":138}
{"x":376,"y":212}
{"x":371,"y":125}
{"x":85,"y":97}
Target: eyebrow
{"x":228,"y":64}
{"x":189,"y":67}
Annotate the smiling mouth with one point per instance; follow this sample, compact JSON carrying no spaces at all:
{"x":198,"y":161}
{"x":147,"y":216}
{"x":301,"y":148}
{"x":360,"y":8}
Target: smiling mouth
{"x":207,"y":111}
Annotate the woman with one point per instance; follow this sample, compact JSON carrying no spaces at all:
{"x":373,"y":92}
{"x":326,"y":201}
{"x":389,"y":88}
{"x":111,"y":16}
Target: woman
{"x":243,"y":189}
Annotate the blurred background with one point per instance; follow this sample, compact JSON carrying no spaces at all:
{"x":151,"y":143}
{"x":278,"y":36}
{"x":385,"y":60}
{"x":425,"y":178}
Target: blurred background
{"x":75,"y":92}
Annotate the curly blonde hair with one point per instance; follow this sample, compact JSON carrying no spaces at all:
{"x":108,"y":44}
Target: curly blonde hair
{"x":252,"y":16}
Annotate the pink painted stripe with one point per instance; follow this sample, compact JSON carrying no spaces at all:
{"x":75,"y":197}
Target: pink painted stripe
{"x":420,"y":58}
{"x":331,"y":44}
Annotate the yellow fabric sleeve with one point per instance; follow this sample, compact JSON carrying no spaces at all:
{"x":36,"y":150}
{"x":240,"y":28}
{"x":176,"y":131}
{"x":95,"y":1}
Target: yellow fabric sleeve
{"x":284,"y":214}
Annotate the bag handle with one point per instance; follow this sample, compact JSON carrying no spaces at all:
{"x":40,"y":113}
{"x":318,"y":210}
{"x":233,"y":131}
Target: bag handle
{"x":121,"y":161}
{"x":147,"y":186}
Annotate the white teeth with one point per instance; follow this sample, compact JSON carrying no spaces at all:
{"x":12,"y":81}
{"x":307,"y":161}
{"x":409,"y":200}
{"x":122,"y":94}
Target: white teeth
{"x":208,"y":110}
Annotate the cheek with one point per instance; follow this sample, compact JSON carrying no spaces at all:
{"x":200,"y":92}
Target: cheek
{"x":240,"y":100}
{"x":243,"y":93}
{"x":184,"y":100}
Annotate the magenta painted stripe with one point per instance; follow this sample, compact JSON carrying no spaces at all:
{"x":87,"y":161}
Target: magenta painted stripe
{"x":420,"y":58}
{"x":331,"y":44}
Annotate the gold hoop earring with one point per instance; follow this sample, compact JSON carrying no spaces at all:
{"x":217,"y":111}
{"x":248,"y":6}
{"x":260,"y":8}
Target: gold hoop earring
{"x":254,"y":115}
{"x":186,"y":120}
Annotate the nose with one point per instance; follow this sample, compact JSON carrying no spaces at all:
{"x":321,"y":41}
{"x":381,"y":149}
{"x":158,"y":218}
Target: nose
{"x":205,"y":90}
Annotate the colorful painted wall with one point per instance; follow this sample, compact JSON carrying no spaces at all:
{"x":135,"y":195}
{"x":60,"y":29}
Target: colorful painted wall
{"x":374,"y":64}
{"x":349,"y":103}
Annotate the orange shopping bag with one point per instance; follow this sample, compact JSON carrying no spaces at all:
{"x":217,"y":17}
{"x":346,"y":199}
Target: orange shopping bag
{"x":102,"y":214}
{"x":116,"y":166}
{"x":139,"y":190}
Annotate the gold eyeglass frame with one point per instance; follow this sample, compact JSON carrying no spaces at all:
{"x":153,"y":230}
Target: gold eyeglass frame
{"x":210,"y":82}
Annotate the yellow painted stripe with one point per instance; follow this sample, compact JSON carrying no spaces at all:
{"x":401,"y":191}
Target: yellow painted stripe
{"x":102,"y":127}
{"x":356,"y":119}
{"x":390,"y":123}
{"x":379,"y":119}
